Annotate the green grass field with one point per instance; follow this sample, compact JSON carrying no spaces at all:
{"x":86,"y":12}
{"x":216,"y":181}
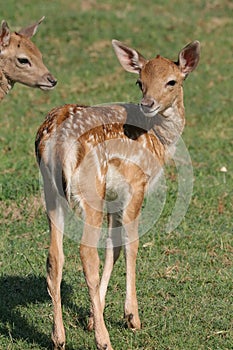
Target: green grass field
{"x":184,"y":278}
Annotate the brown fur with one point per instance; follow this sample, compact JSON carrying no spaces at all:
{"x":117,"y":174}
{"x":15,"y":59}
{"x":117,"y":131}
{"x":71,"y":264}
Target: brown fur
{"x":109,"y":155}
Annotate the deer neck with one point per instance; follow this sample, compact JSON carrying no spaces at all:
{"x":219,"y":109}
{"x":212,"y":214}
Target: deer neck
{"x":5,"y":84}
{"x":169,"y":124}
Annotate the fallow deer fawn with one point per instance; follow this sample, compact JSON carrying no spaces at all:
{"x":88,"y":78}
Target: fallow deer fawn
{"x":92,"y":155}
{"x":21,"y":61}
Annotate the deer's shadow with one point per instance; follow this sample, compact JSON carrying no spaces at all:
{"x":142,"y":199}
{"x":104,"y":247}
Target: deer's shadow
{"x":17,"y":292}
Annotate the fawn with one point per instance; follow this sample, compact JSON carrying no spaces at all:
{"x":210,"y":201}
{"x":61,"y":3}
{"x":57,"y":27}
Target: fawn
{"x":21,"y":61}
{"x":112,"y":155}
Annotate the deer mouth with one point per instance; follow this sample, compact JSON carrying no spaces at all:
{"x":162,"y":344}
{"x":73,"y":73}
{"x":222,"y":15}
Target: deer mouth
{"x":49,"y":83}
{"x":149,"y":112}
{"x":47,"y":87}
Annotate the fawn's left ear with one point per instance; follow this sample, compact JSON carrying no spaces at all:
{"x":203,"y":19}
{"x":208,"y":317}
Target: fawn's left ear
{"x":31,"y":30}
{"x":189,"y":57}
{"x":131,"y":60}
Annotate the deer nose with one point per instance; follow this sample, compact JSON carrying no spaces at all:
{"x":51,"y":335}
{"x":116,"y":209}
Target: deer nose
{"x":52,"y":80}
{"x":149,"y":106}
{"x":147,"y":102}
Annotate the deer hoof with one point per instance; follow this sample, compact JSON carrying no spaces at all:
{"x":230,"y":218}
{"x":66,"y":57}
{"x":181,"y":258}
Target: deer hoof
{"x":133,"y":322}
{"x":59,"y":346}
{"x":104,"y":347}
{"x":90,"y":325}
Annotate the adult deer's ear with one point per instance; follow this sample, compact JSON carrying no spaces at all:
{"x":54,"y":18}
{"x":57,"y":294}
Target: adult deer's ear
{"x":189,"y":57}
{"x":5,"y":35}
{"x":131,"y":60}
{"x":31,"y":30}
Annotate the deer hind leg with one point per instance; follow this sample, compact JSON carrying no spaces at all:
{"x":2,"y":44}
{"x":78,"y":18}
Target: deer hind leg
{"x":55,"y":263}
{"x":55,"y":260}
{"x":90,"y":261}
{"x":112,"y":252}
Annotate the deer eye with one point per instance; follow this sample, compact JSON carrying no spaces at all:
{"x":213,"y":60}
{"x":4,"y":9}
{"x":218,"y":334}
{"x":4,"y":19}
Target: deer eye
{"x":23,"y":61}
{"x":171,"y":83}
{"x":139,"y":83}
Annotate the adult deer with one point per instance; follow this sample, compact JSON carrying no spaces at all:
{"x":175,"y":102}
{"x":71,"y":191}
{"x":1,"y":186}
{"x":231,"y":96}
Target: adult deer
{"x":21,"y":61}
{"x":109,"y":154}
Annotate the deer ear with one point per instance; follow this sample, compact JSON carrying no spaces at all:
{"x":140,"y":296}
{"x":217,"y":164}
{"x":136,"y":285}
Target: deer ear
{"x":5,"y":35}
{"x":131,"y":60}
{"x":31,"y":30}
{"x":189,"y":57}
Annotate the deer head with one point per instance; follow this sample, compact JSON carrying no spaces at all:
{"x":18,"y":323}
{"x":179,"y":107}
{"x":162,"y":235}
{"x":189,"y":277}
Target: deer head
{"x":160,"y":79}
{"x":21,"y":61}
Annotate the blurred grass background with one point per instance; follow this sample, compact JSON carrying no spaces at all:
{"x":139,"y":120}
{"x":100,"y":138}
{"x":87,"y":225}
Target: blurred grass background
{"x":184,"y":278}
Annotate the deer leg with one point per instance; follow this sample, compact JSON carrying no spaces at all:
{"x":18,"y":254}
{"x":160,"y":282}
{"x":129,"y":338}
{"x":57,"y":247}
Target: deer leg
{"x":90,"y":261}
{"x":55,"y":263}
{"x":131,"y":304}
{"x":130,"y":220}
{"x":112,"y":252}
{"x":55,"y":258}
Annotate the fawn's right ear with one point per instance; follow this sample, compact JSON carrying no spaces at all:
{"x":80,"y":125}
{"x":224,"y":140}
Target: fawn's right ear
{"x":5,"y":35}
{"x":131,"y":60}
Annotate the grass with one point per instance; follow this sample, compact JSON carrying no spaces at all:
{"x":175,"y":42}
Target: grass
{"x":184,"y":278}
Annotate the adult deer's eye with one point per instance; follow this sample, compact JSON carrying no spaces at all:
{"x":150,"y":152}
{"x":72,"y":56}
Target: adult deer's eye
{"x":23,"y":61}
{"x":139,"y":83}
{"x":171,"y":83}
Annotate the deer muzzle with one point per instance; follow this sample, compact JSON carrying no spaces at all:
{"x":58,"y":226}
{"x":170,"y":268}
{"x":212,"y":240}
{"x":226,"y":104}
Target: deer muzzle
{"x":48,"y":82}
{"x":149,"y":106}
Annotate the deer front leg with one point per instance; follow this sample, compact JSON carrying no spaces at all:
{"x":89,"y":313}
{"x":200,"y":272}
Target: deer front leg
{"x":131,"y":304}
{"x":130,"y":220}
{"x":55,"y":263}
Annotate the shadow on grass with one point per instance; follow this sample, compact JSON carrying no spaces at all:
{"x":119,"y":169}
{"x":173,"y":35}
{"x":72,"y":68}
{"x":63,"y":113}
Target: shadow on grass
{"x":18,"y":291}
